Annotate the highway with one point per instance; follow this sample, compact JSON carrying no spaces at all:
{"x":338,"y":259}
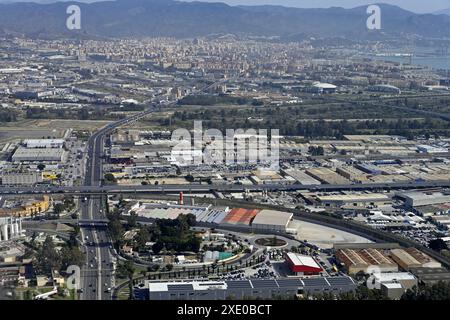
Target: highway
{"x":97,"y":257}
{"x":88,"y":190}
{"x":97,"y":273}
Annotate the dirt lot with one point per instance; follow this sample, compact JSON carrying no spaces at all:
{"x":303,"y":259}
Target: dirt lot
{"x":324,"y":237}
{"x":36,"y":129}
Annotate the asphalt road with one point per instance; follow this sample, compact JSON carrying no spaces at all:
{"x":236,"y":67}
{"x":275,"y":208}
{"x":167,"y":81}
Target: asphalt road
{"x":98,"y":259}
{"x":98,"y":272}
{"x":204,"y":188}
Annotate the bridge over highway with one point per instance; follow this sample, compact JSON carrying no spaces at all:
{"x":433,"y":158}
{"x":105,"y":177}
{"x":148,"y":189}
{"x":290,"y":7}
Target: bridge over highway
{"x":205,"y":188}
{"x":80,"y":222}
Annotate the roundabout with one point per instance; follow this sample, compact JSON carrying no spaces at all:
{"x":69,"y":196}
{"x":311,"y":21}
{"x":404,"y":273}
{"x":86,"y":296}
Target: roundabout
{"x":274,"y":241}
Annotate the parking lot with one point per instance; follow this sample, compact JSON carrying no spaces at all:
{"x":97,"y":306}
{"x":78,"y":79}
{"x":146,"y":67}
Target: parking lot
{"x":74,"y":168}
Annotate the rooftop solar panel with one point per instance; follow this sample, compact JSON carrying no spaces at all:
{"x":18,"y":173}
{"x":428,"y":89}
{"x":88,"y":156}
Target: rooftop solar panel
{"x":180,"y":287}
{"x":208,"y":284}
{"x":240,"y":284}
{"x":264,"y":284}
{"x":337,"y":281}
{"x":289,"y":283}
{"x":313,"y":282}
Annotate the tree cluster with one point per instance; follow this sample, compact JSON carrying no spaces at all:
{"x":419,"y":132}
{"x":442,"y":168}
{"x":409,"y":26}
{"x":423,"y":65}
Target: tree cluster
{"x":48,"y":258}
{"x":437,"y":291}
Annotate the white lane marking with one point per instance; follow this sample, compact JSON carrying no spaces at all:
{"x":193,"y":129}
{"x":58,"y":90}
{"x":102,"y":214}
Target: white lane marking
{"x":99,"y":268}
{"x":98,"y":251}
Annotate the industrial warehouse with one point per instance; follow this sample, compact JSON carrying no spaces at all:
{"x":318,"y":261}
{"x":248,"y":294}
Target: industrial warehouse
{"x":44,"y":143}
{"x":365,"y":260}
{"x":21,"y":178}
{"x":412,"y":258}
{"x":241,"y":289}
{"x":39,"y":154}
{"x":257,"y":219}
{"x":43,"y":150}
{"x":384,"y":258}
{"x":272,"y":220}
{"x":354,"y":200}
{"x":302,"y":265}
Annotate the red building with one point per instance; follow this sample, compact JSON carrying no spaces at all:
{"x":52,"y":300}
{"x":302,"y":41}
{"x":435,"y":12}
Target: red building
{"x":302,"y":265}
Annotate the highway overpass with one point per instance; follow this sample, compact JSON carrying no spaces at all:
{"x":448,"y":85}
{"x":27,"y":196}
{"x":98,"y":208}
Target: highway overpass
{"x":205,"y":188}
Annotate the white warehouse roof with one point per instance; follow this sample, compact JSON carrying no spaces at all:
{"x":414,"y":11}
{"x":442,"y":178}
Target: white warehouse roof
{"x":44,"y":143}
{"x":272,"y":217}
{"x":301,"y":260}
{"x":30,"y":154}
{"x":196,"y":285}
{"x":324,"y":85}
{"x":393,"y":276}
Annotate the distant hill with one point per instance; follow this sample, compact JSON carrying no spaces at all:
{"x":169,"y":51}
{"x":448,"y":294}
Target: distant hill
{"x":445,"y":11}
{"x":141,"y":18}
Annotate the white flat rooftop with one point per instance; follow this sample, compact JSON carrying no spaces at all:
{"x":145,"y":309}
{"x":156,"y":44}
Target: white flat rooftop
{"x":44,"y":141}
{"x":272,"y":217}
{"x":196,"y":285}
{"x":393,"y":285}
{"x":301,"y":260}
{"x":389,"y":277}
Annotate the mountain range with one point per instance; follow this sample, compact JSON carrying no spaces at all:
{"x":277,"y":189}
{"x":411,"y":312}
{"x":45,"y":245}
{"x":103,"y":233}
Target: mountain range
{"x":168,"y":18}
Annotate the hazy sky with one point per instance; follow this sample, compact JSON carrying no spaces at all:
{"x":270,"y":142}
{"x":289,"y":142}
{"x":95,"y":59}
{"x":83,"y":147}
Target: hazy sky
{"x":421,"y":6}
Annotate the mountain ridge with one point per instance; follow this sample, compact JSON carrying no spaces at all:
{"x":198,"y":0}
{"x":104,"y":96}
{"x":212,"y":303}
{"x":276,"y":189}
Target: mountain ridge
{"x":151,"y":18}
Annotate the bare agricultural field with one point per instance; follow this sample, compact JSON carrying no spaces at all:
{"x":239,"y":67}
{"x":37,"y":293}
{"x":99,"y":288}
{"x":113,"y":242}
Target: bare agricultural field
{"x":28,"y":130}
{"x":73,"y":124}
{"x":36,"y":129}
